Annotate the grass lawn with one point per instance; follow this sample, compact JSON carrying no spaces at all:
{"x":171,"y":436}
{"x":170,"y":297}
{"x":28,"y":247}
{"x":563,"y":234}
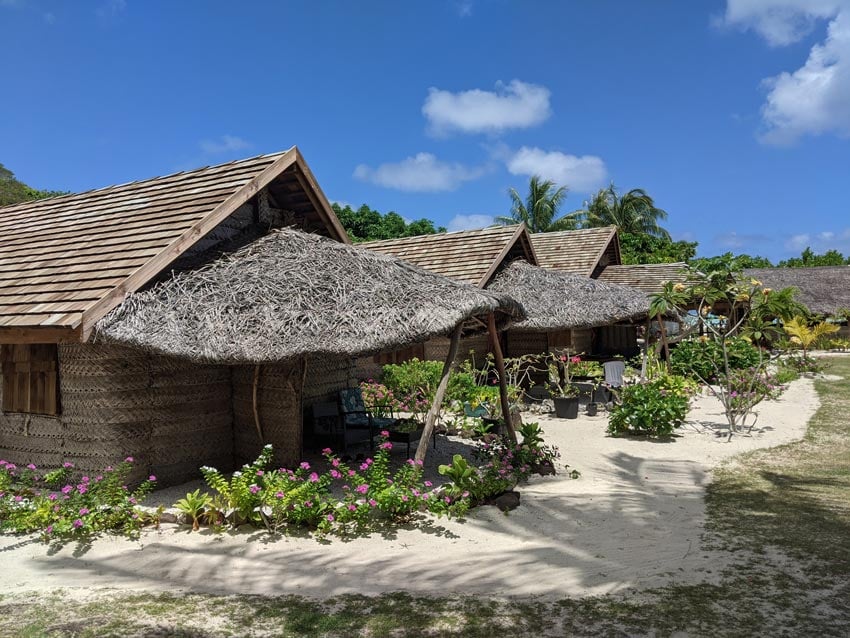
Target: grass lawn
{"x":785,"y":511}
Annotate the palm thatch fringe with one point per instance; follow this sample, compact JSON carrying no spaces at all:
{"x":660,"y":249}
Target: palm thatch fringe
{"x":290,"y":294}
{"x":557,"y":300}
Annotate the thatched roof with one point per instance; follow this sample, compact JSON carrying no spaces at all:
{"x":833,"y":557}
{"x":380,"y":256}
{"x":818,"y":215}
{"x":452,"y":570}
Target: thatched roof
{"x":289,"y":294}
{"x":823,"y":289}
{"x":66,"y":261}
{"x":556,"y":300}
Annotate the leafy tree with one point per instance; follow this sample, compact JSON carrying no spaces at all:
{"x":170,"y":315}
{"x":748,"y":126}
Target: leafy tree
{"x":13,"y":191}
{"x":366,"y":224}
{"x":647,"y":249}
{"x":633,"y":212}
{"x":539,"y":211}
{"x":809,"y":258}
{"x":730,"y":261}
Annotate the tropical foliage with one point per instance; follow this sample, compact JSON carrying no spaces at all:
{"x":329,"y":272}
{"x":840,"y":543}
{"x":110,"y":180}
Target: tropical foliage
{"x":366,"y":224}
{"x":632,"y":212}
{"x":13,"y":191}
{"x":539,"y":209}
{"x":804,"y":335}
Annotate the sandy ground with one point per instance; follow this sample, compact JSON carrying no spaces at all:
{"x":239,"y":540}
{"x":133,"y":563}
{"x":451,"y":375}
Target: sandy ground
{"x":633,"y":519}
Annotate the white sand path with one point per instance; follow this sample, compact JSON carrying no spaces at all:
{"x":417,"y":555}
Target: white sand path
{"x":633,"y":519}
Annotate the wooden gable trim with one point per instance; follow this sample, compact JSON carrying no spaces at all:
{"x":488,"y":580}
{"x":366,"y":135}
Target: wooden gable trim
{"x":150,"y":269}
{"x":521,"y":232}
{"x":318,"y":199}
{"x":611,"y":236}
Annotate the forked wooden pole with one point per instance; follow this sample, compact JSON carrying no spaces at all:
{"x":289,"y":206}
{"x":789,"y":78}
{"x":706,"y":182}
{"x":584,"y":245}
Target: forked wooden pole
{"x":434,"y":410}
{"x":500,"y":368}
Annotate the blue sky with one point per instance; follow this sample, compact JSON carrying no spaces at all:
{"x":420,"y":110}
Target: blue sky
{"x":733,"y":114}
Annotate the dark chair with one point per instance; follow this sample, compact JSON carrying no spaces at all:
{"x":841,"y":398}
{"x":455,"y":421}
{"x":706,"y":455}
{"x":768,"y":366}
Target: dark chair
{"x":355,"y":415}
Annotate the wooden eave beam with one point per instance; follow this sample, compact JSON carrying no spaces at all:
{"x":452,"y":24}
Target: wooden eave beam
{"x":45,"y":334}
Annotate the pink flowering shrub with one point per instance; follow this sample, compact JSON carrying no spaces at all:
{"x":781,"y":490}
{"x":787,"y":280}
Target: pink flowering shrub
{"x":64,"y":504}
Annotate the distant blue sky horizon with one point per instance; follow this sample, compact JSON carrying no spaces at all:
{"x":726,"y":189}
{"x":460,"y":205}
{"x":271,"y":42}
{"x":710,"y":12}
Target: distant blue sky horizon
{"x":733,"y":114}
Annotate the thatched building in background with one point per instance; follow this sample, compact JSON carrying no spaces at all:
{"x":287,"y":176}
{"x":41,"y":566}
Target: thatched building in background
{"x":823,"y":289}
{"x":188,"y":390}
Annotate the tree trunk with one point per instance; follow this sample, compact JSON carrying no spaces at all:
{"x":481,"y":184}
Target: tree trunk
{"x":664,"y":345}
{"x":500,"y":368}
{"x":434,"y":410}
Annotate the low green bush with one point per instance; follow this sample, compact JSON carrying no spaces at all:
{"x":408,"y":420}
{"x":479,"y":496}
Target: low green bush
{"x":655,"y":408}
{"x":702,"y":358}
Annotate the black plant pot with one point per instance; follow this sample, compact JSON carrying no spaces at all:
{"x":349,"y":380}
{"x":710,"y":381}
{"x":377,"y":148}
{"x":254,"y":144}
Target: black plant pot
{"x":566,"y":407}
{"x":591,"y":409}
{"x":601,"y":394}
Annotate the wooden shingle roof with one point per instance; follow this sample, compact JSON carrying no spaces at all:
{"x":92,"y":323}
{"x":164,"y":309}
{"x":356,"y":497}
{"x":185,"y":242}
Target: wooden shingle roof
{"x":471,"y":256}
{"x":67,"y":261}
{"x":575,"y":251}
{"x":647,"y":277}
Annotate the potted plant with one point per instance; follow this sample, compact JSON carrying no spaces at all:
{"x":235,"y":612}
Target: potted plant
{"x":585,"y":370}
{"x":564,"y":393}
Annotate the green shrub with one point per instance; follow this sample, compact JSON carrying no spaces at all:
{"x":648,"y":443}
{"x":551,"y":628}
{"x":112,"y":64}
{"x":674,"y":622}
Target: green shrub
{"x":656,"y":407}
{"x":64,"y":504}
{"x":413,"y":378}
{"x":702,"y":358}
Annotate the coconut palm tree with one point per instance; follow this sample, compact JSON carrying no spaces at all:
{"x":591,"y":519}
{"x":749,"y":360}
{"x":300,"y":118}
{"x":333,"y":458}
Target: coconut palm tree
{"x":633,"y":212}
{"x":539,"y":211}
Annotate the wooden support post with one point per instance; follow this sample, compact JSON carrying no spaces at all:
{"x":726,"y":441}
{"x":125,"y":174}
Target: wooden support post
{"x":434,"y":410}
{"x":256,"y":409}
{"x":500,"y":368}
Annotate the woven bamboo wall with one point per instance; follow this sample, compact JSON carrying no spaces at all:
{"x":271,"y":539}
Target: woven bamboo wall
{"x":326,"y":376}
{"x":279,"y":402}
{"x":171,"y":415}
{"x":437,"y":349}
{"x":520,"y":342}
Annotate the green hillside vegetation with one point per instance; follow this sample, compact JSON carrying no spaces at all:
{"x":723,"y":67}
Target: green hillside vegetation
{"x":13,"y":191}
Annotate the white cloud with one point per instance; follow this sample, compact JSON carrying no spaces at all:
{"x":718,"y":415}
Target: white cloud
{"x":779,"y":22}
{"x":420,"y":173}
{"x":111,"y":9}
{"x":469,"y":222}
{"x":464,"y":8}
{"x":224,"y":144}
{"x":735,"y":240}
{"x":511,"y":106}
{"x":583,"y":174}
{"x":814,"y":99}
{"x":821,"y":241}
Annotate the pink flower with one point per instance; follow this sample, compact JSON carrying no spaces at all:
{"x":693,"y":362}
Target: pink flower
{"x":84,"y":511}
{"x":335,"y":462}
{"x":18,"y":498}
{"x":254,"y":489}
{"x":385,"y":433}
{"x":85,"y":479}
{"x":335,"y":474}
{"x":373,"y":502}
{"x":82,"y":489}
{"x":152,"y":478}
{"x":279,"y":495}
{"x":48,"y":529}
{"x":351,"y":472}
{"x":305,"y":465}
{"x":330,"y":518}
{"x":260,"y":472}
{"x":351,"y":507}
{"x":51,"y":497}
{"x":327,"y":451}
{"x":78,"y":523}
{"x":363,"y":468}
{"x":404,"y":498}
{"x":98,"y":478}
{"x":308,"y":503}
{"x":30,"y":466}
{"x":129,"y":459}
{"x":427,"y":483}
{"x":314,"y":478}
{"x":362,"y":489}
{"x":386,"y":445}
